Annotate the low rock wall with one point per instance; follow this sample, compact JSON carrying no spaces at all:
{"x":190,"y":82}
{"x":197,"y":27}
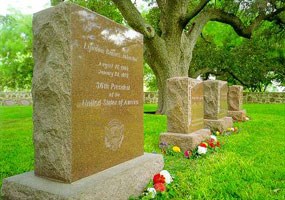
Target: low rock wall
{"x":248,"y":97}
{"x":25,"y":98}
{"x":264,"y":97}
{"x":15,"y":98}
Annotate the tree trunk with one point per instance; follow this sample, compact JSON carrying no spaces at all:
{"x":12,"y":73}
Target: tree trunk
{"x":166,"y":63}
{"x":161,"y":85}
{"x":170,"y":58}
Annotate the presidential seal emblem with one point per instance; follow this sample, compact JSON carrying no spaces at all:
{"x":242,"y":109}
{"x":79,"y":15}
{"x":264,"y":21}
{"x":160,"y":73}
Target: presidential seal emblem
{"x":114,"y":134}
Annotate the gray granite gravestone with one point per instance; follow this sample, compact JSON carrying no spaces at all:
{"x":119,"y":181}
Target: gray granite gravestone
{"x":185,"y":113}
{"x":215,"y":105}
{"x":235,"y":96}
{"x":88,"y":110}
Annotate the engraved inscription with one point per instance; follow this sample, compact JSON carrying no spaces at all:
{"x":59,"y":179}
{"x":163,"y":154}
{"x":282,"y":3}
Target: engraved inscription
{"x":107,"y":91}
{"x":114,"y":135}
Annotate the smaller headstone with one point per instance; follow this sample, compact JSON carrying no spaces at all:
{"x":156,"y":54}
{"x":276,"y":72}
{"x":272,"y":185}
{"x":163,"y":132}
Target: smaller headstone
{"x":185,"y":113}
{"x":235,"y":99}
{"x":215,"y":105}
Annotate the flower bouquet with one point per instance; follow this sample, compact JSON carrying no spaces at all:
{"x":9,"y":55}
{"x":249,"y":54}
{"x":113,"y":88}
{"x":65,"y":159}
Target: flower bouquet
{"x":210,"y":145}
{"x":159,"y":186}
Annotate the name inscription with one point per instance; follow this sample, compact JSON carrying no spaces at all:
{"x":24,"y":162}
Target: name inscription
{"x":114,"y":84}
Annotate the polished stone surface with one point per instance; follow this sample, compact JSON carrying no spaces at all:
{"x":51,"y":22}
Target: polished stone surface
{"x":87,"y":93}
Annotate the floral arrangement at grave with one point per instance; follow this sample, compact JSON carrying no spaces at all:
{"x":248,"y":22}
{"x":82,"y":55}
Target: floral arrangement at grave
{"x":159,"y":187}
{"x":169,"y":149}
{"x":228,"y":131}
{"x":208,"y":146}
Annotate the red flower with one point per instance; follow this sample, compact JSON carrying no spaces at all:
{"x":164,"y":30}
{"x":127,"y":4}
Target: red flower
{"x":212,"y":144}
{"x":159,"y":187}
{"x":158,"y":179}
{"x":187,"y":154}
{"x":218,"y":144}
{"x":211,"y":140}
{"x":203,"y":145}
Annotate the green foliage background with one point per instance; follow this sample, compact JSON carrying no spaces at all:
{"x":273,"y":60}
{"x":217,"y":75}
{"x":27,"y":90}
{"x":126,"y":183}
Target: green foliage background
{"x":220,"y":51}
{"x":252,"y":63}
{"x":16,"y":62}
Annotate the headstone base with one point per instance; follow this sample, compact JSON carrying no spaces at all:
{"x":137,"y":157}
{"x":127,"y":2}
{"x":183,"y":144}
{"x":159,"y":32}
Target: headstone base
{"x":186,"y":141}
{"x":118,"y":182}
{"x":219,"y":125}
{"x":238,"y":116}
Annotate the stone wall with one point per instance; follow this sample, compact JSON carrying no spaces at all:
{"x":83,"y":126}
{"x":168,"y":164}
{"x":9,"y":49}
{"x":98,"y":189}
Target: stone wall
{"x":264,"y":97}
{"x":25,"y":98}
{"x":15,"y":98}
{"x":248,"y":97}
{"x":150,"y":97}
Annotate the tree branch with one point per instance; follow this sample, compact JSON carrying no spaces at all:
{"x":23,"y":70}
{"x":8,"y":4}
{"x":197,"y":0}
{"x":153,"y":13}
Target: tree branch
{"x":202,"y":36}
{"x":171,"y":13}
{"x":194,"y":12}
{"x":237,"y":24}
{"x":134,"y":18}
{"x":161,"y":4}
{"x":237,"y":78}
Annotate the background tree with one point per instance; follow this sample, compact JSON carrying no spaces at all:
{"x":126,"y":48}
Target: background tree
{"x":252,"y":63}
{"x":16,"y":62}
{"x":169,"y":45}
{"x":172,"y":31}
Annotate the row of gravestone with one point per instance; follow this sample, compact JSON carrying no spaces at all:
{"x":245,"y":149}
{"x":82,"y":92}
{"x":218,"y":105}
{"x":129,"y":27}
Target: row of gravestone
{"x":196,"y":108}
{"x":25,"y":98}
{"x":88,"y":110}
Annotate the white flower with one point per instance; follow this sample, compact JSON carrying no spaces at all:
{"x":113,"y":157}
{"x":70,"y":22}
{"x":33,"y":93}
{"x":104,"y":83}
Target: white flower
{"x":167,"y":176}
{"x":246,"y":119}
{"x":214,"y":138}
{"x":151,"y":191}
{"x":232,"y":129}
{"x":202,"y":150}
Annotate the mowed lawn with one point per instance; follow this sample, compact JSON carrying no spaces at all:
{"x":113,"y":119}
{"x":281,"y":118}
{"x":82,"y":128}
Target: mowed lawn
{"x":250,"y":165}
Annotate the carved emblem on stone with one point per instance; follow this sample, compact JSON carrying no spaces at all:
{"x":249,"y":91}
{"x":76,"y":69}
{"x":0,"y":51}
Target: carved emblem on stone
{"x":114,"y":134}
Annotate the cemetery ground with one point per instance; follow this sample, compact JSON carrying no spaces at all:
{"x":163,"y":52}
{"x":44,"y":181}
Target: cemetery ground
{"x":250,"y":164}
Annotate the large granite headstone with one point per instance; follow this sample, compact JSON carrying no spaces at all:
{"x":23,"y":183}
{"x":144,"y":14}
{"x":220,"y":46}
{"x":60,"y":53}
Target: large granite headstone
{"x":185,"y":113}
{"x":88,"y":106}
{"x":235,"y":97}
{"x":216,"y":106}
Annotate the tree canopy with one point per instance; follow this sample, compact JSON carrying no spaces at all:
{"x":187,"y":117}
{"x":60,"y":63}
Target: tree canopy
{"x":252,"y":63}
{"x":16,"y":62}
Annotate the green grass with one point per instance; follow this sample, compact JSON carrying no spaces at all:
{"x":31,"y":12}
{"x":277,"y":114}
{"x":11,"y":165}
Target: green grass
{"x":16,"y":145}
{"x":250,"y":165}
